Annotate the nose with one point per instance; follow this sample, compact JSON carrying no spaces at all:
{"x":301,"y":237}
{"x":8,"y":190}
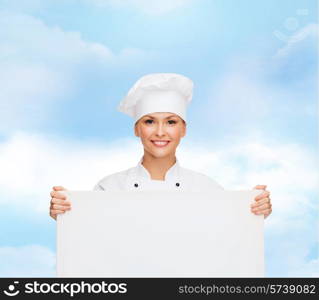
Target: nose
{"x":160,"y":130}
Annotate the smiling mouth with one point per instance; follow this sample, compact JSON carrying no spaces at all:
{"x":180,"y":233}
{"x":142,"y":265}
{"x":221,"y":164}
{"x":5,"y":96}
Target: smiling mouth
{"x":160,"y":143}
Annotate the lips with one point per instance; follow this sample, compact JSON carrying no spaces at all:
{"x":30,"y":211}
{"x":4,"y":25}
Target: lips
{"x":160,"y":143}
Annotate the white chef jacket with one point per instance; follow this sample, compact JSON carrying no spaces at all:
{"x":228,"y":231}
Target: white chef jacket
{"x":176,"y":178}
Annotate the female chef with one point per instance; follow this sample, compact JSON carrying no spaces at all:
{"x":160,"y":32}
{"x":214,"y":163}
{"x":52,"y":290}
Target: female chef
{"x":157,"y":102}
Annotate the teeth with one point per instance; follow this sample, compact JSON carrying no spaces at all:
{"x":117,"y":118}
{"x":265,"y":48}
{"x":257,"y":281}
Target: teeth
{"x":160,"y":143}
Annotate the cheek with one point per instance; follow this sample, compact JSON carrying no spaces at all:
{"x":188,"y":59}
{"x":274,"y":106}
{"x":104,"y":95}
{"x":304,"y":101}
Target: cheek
{"x":174,"y":133}
{"x":145,"y":132}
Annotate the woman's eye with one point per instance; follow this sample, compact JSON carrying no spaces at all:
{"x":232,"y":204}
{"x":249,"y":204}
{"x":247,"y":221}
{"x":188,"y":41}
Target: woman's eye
{"x":172,"y":122}
{"x":149,"y":121}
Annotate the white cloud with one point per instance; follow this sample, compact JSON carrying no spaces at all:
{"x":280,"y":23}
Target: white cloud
{"x":254,"y":94}
{"x":27,"y":92}
{"x":152,"y":8}
{"x":288,"y":170}
{"x":27,"y":261}
{"x":27,"y":37}
{"x":239,"y":96}
{"x":29,"y":6}
{"x":32,"y":164}
{"x":291,"y":251}
{"x":42,"y":64}
{"x":310,"y":269}
{"x":145,"y":6}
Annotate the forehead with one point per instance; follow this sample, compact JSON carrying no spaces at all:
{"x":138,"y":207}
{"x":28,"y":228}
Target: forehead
{"x":161,"y":115}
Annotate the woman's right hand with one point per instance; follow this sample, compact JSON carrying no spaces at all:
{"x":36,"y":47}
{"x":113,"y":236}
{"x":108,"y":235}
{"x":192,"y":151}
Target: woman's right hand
{"x":59,"y":203}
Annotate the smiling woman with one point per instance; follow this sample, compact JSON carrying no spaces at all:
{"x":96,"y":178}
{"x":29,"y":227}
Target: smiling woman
{"x":158,"y":102}
{"x":160,"y":135}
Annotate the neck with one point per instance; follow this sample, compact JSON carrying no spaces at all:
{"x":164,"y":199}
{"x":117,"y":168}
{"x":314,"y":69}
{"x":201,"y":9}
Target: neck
{"x":158,"y":166}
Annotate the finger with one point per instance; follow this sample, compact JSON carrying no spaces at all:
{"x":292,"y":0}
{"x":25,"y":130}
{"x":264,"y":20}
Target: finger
{"x":260,"y":202}
{"x":261,"y":207}
{"x":52,"y":216}
{"x":61,"y":207}
{"x":264,"y":194}
{"x":263,"y":212}
{"x":60,"y":201}
{"x":267,"y":214}
{"x":59,"y":188}
{"x":56,"y":212}
{"x":260,"y":187}
{"x":57,"y":195}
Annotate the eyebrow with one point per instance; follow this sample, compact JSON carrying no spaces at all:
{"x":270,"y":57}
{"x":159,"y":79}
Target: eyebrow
{"x":172,"y":116}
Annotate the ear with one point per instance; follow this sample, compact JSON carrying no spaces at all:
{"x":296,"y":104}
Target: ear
{"x":136,"y":130}
{"x":184,"y":130}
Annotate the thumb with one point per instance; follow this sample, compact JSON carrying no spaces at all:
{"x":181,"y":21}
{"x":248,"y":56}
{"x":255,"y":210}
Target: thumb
{"x":260,"y":187}
{"x":59,"y":188}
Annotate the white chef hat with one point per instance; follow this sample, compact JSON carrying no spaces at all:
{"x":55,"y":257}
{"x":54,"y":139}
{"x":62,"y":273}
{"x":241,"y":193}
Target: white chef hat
{"x":158,"y":92}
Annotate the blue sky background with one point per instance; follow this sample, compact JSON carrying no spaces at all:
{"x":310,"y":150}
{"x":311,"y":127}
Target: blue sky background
{"x":65,"y":65}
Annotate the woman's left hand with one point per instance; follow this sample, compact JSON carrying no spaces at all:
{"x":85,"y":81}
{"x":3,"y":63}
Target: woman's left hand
{"x":262,"y":203}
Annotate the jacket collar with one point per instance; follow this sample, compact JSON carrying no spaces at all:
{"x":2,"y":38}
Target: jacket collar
{"x":172,"y":172}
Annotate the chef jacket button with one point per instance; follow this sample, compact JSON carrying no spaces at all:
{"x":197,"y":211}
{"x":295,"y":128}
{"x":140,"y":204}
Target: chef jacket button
{"x":177,"y":183}
{"x":135,"y":184}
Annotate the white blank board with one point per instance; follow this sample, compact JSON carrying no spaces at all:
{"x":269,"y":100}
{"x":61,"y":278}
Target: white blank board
{"x":160,"y":234}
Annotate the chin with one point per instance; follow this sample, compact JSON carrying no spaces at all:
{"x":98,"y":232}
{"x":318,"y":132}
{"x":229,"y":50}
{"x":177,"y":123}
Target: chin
{"x":160,"y":153}
{"x":163,"y":155}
